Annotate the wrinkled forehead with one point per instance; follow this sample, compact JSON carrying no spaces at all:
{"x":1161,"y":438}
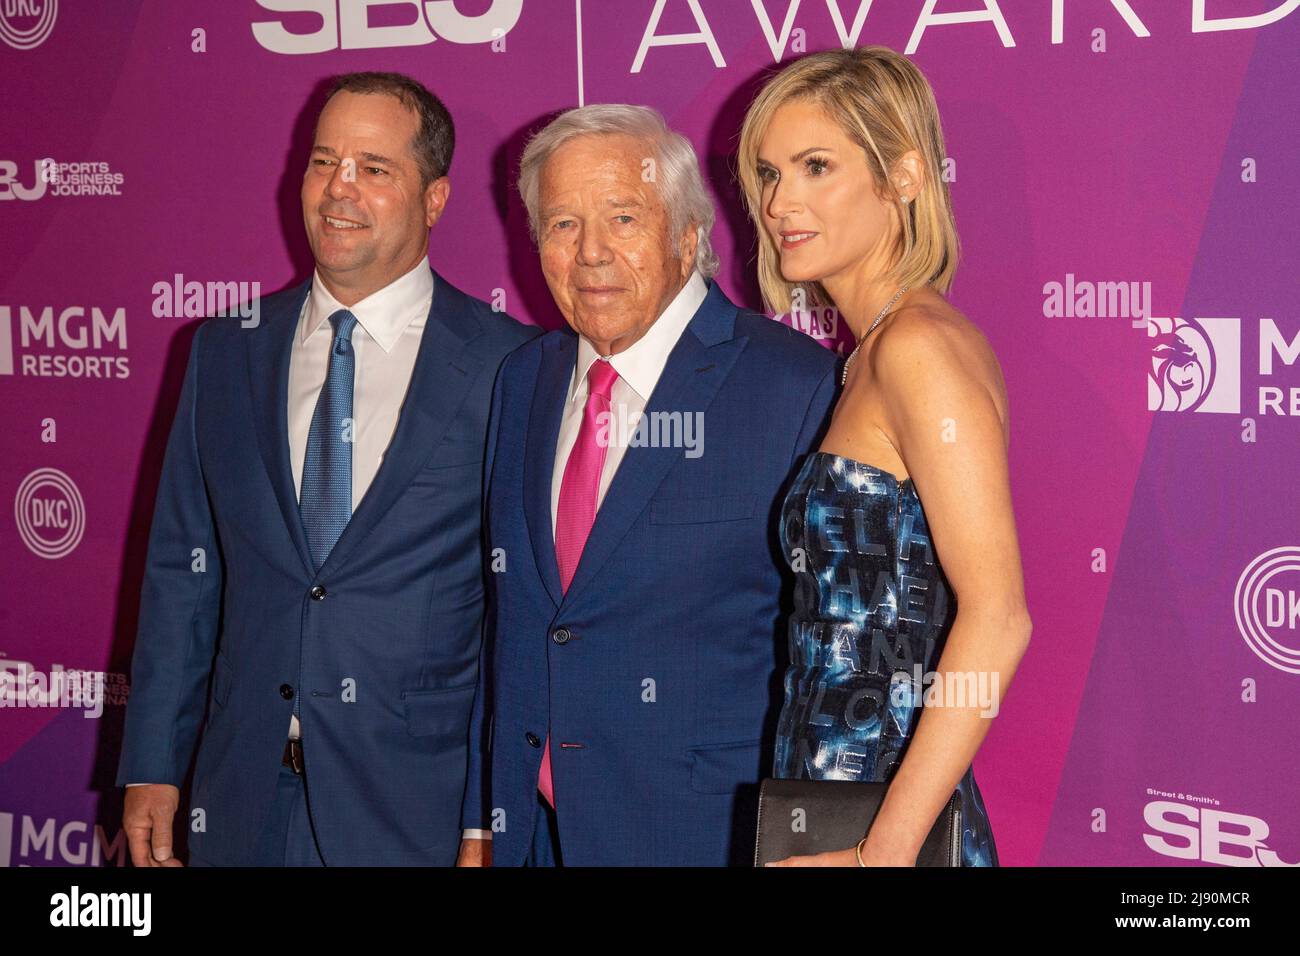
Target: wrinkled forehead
{"x":610,"y":160}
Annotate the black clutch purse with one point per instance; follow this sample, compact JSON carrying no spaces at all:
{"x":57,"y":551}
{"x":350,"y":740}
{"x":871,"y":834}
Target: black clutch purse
{"x":802,"y":817}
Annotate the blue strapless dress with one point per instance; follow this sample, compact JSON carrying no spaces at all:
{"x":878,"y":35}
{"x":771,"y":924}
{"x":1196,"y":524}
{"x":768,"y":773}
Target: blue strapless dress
{"x":855,"y":535}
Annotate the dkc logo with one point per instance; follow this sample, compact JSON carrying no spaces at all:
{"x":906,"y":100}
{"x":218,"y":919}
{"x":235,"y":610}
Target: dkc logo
{"x":50,"y":513}
{"x":25,"y":24}
{"x":345,"y":24}
{"x":1269,"y":616}
{"x":1206,"y":834}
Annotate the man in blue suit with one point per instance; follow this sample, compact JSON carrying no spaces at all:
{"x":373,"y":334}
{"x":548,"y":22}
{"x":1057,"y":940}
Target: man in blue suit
{"x":315,"y":551}
{"x":634,"y":650}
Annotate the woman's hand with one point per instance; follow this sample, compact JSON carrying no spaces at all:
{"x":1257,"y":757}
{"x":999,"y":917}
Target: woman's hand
{"x":870,"y":857}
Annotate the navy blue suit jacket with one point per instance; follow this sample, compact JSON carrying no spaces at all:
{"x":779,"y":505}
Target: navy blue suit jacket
{"x":380,"y":647}
{"x":658,"y":672}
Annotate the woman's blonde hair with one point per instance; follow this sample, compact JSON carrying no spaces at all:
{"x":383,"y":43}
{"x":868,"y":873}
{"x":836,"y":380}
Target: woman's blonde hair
{"x":885,"y":105}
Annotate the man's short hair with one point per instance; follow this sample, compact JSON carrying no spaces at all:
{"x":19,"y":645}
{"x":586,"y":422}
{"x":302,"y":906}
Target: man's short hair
{"x":434,"y":141}
{"x":677,"y":169}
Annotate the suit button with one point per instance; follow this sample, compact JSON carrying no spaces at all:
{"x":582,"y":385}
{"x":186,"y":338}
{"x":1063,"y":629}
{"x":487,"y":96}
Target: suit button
{"x":286,"y":691}
{"x":318,"y":593}
{"x":561,"y":635}
{"x":533,"y":739}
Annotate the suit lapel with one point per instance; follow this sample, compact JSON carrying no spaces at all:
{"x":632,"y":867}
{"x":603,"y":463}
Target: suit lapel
{"x":440,"y":381}
{"x":559,"y":356}
{"x":697,"y":366}
{"x":269,"y":348}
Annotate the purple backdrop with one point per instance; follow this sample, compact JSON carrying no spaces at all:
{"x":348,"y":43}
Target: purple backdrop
{"x":1126,"y":184}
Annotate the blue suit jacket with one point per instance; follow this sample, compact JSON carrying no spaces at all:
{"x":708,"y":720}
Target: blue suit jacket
{"x":659,"y":671}
{"x":398,"y":623}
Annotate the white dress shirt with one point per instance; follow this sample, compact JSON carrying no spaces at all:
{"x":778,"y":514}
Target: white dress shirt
{"x":639,"y":367}
{"x":385,"y":341}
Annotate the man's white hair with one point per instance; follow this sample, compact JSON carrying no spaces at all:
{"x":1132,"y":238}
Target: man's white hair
{"x":676,"y":169}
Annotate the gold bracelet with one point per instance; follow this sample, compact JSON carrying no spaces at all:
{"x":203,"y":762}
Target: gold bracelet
{"x":858,"y":852}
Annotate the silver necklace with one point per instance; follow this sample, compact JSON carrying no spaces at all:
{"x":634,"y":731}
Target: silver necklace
{"x":852,"y":355}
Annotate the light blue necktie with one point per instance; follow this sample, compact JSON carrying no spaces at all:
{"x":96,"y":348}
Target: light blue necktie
{"x":325,"y":499}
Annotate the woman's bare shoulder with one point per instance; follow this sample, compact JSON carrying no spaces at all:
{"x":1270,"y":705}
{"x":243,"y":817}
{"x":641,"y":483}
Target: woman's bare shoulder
{"x":931,"y":332}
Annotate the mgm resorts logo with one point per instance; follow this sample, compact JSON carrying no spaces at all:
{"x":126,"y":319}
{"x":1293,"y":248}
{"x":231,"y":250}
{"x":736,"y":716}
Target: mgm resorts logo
{"x":1196,"y":365}
{"x":25,"y":841}
{"x":69,"y":345}
{"x":25,"y":24}
{"x":346,"y":24}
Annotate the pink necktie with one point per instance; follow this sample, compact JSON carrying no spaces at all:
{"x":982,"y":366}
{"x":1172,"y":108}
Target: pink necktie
{"x":576,"y":510}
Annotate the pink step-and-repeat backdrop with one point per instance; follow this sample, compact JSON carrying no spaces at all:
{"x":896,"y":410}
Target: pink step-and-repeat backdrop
{"x":1126,"y":181}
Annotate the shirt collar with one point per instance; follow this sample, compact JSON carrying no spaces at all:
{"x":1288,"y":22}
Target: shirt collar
{"x":642,"y":362}
{"x":384,"y":314}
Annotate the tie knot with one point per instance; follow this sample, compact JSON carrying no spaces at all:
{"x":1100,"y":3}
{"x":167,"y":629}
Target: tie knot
{"x":601,"y":378}
{"x":343,"y":322}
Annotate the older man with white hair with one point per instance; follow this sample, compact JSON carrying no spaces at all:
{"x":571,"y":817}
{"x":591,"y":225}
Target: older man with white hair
{"x":632,"y":661}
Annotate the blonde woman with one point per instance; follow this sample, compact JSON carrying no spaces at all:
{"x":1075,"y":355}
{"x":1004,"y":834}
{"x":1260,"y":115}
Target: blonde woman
{"x":909,"y":618}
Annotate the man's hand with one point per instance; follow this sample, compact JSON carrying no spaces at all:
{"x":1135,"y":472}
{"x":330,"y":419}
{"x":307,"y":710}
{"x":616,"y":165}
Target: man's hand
{"x":475,"y":853}
{"x":147,"y":819}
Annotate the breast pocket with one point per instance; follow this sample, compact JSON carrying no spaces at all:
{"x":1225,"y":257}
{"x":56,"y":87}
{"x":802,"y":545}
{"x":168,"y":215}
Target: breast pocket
{"x":451,"y":463}
{"x":702,"y":510}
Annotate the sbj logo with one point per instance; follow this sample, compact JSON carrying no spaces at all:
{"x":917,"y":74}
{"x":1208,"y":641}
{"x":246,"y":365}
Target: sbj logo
{"x":345,"y":24}
{"x":25,"y":24}
{"x":50,"y":514}
{"x":1267,"y":613}
{"x":1195,"y":366}
{"x":1188,"y":832}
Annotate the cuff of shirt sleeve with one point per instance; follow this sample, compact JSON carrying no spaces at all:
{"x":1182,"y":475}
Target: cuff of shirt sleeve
{"x":477,"y":835}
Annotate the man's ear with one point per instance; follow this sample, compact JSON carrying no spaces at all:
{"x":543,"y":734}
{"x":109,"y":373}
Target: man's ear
{"x":689,"y":245}
{"x":436,"y":195}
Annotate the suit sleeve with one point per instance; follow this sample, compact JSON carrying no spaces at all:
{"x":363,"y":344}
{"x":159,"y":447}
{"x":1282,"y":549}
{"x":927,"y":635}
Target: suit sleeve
{"x":817,"y":417}
{"x":180,"y":604}
{"x":476,"y":808}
